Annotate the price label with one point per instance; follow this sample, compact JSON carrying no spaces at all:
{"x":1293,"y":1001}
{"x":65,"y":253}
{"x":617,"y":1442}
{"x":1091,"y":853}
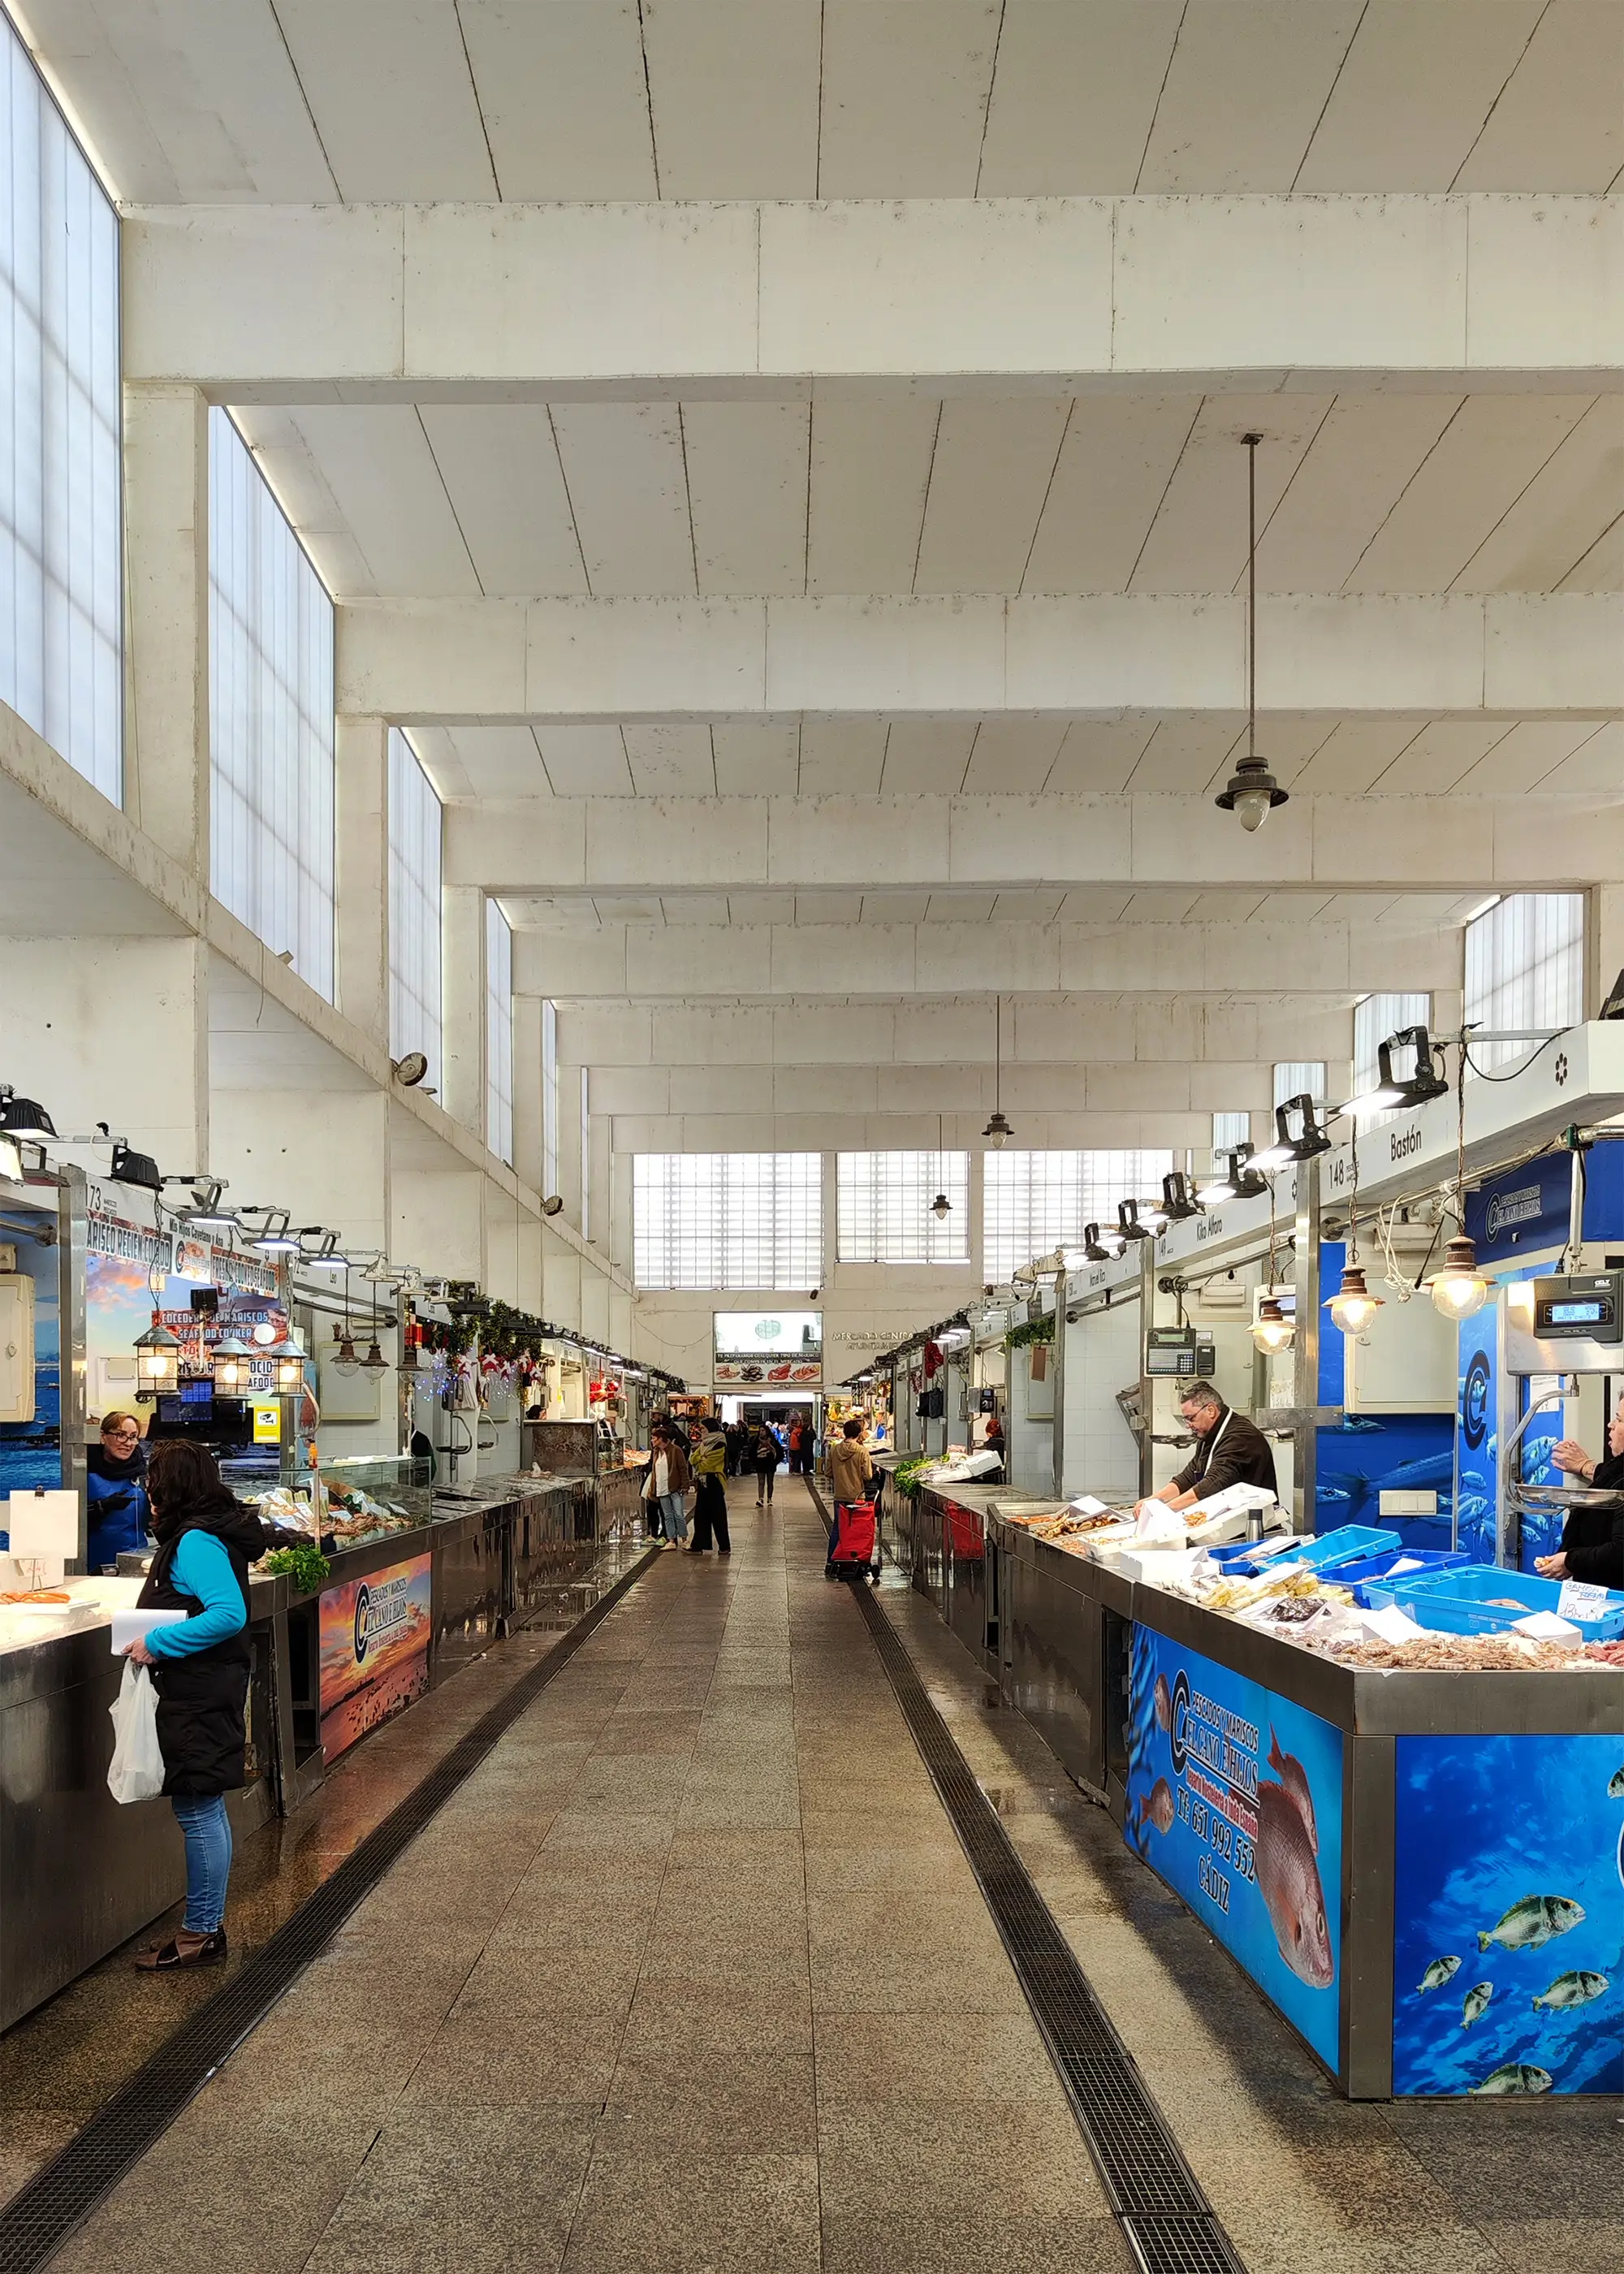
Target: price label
{"x":1580,"y":1600}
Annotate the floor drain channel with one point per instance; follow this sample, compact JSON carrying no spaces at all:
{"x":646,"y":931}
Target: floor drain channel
{"x":39,"y":2219}
{"x":1167,"y":2221}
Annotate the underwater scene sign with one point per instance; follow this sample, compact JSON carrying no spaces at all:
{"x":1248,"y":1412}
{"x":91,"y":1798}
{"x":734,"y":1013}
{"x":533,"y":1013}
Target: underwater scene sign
{"x":1235,"y":1798}
{"x":1509,"y":1916}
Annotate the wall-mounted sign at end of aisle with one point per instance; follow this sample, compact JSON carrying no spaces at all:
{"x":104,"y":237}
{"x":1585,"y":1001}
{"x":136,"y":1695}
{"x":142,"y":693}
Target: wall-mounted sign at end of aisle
{"x":267,"y":1423}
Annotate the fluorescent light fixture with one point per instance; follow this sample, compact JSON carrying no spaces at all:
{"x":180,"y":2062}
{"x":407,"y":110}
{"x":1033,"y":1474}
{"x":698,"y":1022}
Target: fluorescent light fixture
{"x":1483,"y":907}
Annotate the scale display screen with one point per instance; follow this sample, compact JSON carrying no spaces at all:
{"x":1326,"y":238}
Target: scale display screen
{"x":1579,"y":1309}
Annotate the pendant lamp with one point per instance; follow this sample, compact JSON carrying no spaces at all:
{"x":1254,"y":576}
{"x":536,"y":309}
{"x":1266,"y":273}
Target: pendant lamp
{"x":1252,"y":793}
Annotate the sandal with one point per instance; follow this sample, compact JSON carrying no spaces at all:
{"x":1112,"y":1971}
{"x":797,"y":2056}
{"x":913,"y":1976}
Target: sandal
{"x":164,"y":1958}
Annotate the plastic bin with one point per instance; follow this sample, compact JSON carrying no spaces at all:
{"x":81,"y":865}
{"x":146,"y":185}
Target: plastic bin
{"x":1361,"y":1570}
{"x":1348,"y":1541}
{"x":1480,"y":1597}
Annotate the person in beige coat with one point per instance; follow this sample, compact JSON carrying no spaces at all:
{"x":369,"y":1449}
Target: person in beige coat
{"x":850,"y":1468}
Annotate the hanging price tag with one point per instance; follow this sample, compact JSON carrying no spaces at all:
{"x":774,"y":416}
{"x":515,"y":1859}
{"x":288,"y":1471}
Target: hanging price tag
{"x":1580,"y":1600}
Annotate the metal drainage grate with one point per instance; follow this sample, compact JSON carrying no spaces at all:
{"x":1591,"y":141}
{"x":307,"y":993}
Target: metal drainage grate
{"x":39,"y":2219}
{"x":1167,"y":2221}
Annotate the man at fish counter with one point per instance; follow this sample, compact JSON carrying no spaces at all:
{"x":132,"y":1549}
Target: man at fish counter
{"x":1229,"y":1450}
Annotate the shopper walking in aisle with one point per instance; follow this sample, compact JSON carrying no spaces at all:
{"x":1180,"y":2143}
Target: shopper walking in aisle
{"x":767,"y":1453}
{"x":200,"y":1667}
{"x":664,"y":1487}
{"x":797,"y":1445}
{"x":711,"y":1494}
{"x":850,"y":1472}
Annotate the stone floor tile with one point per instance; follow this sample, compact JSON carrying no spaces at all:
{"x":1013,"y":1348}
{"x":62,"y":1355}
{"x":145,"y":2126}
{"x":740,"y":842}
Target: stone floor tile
{"x":687,"y":2213}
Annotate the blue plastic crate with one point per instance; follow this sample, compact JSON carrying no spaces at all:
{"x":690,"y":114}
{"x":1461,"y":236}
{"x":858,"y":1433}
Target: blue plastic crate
{"x":1463,"y":1601}
{"x":1361,"y":1570}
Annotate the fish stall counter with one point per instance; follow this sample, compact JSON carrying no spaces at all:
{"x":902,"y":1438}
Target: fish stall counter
{"x":1412,"y":1848}
{"x":79,"y":1874}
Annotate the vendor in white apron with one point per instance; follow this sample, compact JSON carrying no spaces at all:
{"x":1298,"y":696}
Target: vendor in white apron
{"x":1229,"y":1450}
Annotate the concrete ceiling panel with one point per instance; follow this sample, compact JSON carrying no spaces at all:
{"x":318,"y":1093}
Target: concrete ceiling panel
{"x":734,"y":89}
{"x":1074,"y":95}
{"x":1244,"y":89}
{"x":499,"y":464}
{"x":905,"y":96}
{"x":390,"y":94}
{"x":563,"y":95}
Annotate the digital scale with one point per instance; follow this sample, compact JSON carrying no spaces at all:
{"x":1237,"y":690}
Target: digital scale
{"x":1573,"y":1324}
{"x":1175,"y":1351}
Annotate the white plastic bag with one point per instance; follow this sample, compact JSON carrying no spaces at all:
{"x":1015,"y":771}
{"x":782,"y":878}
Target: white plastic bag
{"x":136,"y":1771}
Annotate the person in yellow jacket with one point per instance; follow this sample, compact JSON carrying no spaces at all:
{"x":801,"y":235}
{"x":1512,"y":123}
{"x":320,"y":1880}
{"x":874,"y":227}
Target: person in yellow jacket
{"x":711,"y":1493}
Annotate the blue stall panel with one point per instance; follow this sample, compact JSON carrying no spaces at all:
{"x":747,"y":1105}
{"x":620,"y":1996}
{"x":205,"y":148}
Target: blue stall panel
{"x":1235,"y":1798}
{"x":1509,"y":1916}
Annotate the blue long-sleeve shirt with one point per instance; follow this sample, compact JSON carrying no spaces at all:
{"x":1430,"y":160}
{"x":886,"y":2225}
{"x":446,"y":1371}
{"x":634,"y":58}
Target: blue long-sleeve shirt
{"x":201,"y":1567}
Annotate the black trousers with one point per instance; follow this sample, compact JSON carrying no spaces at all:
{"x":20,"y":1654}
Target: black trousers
{"x":766,"y":1470}
{"x":710,"y":1514}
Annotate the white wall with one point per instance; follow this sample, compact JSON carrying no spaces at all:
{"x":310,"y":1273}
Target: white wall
{"x":867,"y":1308}
{"x":1099,"y":1453}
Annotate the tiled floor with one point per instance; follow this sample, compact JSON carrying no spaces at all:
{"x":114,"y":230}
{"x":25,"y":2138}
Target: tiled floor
{"x":691,"y":1975}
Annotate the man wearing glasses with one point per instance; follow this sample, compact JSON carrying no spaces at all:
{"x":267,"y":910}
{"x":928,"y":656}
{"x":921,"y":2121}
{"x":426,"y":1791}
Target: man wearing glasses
{"x":1229,"y":1450}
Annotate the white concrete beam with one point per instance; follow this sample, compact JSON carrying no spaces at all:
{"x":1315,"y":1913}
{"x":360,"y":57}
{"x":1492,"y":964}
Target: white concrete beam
{"x":649,"y":846}
{"x":1138,"y":1086}
{"x":887,"y":961}
{"x":450,"y":302}
{"x":673,"y":1037}
{"x":882,"y":1133}
{"x":494,"y":662}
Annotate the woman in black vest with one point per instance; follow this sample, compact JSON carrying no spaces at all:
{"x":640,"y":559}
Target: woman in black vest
{"x":199,"y":1667}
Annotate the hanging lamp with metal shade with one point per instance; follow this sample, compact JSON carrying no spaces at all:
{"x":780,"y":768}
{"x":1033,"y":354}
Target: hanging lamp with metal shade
{"x":1251,"y":792}
{"x":998,"y":1131}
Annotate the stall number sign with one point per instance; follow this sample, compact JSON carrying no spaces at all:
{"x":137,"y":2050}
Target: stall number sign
{"x":267,"y":1423}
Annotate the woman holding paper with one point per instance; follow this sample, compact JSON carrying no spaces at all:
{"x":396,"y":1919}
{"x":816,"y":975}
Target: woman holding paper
{"x":200,"y":1667}
{"x":1592,"y":1544}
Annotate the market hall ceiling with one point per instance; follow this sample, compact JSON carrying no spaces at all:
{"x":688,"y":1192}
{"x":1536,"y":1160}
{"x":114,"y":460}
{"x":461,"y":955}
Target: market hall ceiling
{"x":296,"y":102}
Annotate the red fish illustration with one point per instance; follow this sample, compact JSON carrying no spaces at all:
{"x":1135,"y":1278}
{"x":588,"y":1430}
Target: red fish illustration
{"x":1157,"y":1805}
{"x":1288,"y":1875}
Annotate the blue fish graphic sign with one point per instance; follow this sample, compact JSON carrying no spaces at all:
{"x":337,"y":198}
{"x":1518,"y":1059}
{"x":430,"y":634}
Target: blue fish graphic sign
{"x":1235,"y":1798}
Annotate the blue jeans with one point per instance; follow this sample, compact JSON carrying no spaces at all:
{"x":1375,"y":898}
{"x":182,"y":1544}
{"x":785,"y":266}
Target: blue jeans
{"x":674,"y":1515}
{"x":206,"y":1830}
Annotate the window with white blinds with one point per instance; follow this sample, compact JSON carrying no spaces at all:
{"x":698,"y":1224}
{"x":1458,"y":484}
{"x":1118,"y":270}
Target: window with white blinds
{"x":1376,"y":1018}
{"x":884,"y":1213}
{"x":1297,"y":1077}
{"x":1525,"y":969}
{"x":728,"y":1220}
{"x":499,"y":1034}
{"x":549,"y":1100}
{"x":1036,"y":1201}
{"x":413,"y":908}
{"x":1229,"y":1131}
{"x":61,"y":594}
{"x":271,"y":730}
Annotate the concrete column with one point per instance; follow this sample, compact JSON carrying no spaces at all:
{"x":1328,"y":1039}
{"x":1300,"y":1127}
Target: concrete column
{"x":439,"y":1221}
{"x":113,"y":1030}
{"x":527,"y":1124}
{"x":560,"y":1281}
{"x":166,"y":606}
{"x":572,"y":1169}
{"x":599,"y":1226}
{"x":620,"y":1213}
{"x":322,"y":1155}
{"x":363,"y":875}
{"x":463,"y":997}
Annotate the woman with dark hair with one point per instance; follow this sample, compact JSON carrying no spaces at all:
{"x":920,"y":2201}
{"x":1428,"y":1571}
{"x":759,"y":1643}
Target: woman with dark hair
{"x":115,"y":1492}
{"x":200,"y":1667}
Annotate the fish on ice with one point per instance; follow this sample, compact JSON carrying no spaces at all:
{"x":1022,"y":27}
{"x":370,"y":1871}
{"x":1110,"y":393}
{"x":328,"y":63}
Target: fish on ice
{"x":1288,"y":1875}
{"x":1576,"y":1988}
{"x":1163,"y":1703}
{"x":1157,"y":1805}
{"x":1515,"y":2076}
{"x":1477,"y":1998}
{"x":1534,"y":1920}
{"x":1440,"y":1971}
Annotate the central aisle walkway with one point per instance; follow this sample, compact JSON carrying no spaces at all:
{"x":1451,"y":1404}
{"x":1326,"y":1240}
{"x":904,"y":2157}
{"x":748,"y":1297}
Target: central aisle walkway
{"x":692,"y":1975}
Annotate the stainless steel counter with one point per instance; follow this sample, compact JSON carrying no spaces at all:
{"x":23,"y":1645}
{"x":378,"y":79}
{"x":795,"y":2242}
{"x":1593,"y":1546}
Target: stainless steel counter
{"x":1077,"y":1647}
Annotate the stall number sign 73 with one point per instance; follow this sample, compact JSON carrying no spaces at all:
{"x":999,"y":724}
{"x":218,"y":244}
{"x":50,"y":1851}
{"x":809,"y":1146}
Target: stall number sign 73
{"x":1232,"y":1845}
